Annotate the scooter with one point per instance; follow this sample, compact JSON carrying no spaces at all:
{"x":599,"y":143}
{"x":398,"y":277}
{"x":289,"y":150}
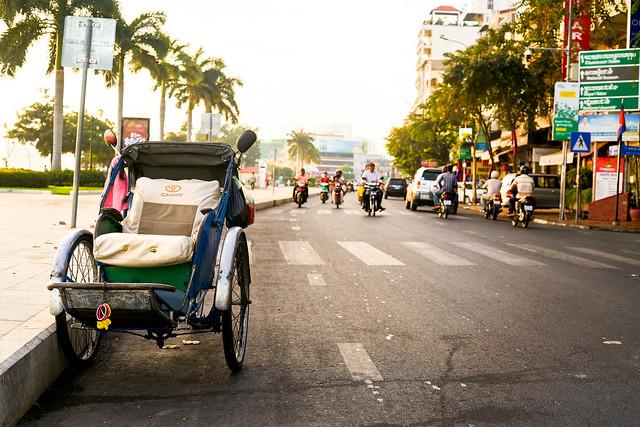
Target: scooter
{"x":324,"y":192}
{"x":337,"y":194}
{"x":494,"y":207}
{"x":523,"y":212}
{"x":369,"y":198}
{"x":446,"y":205}
{"x":299,"y":198}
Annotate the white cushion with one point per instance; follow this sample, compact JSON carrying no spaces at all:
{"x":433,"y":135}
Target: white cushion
{"x":168,"y":207}
{"x":142,"y":250}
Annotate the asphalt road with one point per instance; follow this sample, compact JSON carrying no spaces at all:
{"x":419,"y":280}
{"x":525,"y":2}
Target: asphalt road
{"x":400,"y":319}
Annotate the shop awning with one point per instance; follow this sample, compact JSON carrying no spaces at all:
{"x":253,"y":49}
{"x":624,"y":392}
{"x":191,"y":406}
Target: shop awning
{"x":554,"y":159}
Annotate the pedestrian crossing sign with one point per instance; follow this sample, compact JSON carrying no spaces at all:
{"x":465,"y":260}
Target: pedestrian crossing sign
{"x":580,"y":142}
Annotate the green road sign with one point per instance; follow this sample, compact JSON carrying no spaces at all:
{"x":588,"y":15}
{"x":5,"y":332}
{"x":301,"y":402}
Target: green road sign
{"x":465,"y":152}
{"x":608,"y":104}
{"x":565,"y":110}
{"x":605,"y":90}
{"x":607,"y":58}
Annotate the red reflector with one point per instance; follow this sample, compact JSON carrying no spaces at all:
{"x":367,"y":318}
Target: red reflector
{"x":252,"y":213}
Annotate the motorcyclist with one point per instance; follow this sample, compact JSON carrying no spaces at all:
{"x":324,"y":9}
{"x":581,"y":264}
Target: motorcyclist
{"x":521,"y":186}
{"x":492,"y":186}
{"x":302,"y":177}
{"x":371,"y":177}
{"x":446,"y":182}
{"x":324,"y":178}
{"x":338,"y":177}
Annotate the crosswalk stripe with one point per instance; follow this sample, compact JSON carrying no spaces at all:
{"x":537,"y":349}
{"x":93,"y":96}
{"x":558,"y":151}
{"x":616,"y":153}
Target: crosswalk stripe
{"x":324,"y":212}
{"x":368,"y":254}
{"x":351,"y":212}
{"x":436,"y":254}
{"x":316,"y":279}
{"x":360,"y":365}
{"x":606,"y":255}
{"x":300,"y":252}
{"x":497,"y":254}
{"x":561,"y":256}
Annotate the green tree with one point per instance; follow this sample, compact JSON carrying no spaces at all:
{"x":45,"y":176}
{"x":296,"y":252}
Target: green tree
{"x":35,"y":126}
{"x":230,"y":135}
{"x":135,"y":41}
{"x":220,"y":91}
{"x":300,"y":147}
{"x":28,"y":21}
{"x":190,"y":89}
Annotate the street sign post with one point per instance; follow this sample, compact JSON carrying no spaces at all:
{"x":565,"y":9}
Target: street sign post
{"x":609,"y":79}
{"x":87,"y":42}
{"x":565,"y":110}
{"x":580,"y":142}
{"x":210,"y":124}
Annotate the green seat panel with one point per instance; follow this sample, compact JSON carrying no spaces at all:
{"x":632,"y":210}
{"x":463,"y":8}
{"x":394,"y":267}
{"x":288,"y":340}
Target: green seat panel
{"x":177,"y":276}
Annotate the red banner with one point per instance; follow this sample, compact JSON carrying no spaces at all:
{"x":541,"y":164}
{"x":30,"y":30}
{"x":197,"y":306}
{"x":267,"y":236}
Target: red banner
{"x":580,"y":33}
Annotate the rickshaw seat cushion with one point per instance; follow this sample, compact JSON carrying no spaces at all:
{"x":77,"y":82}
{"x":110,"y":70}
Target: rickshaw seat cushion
{"x":142,"y":250}
{"x":170,"y":207}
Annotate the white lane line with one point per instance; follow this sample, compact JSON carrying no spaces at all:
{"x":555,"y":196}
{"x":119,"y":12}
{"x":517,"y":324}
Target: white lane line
{"x":293,"y":219}
{"x":295,"y":228}
{"x":562,"y":256}
{"x":324,"y":212}
{"x":300,"y":253}
{"x":316,"y":279}
{"x":351,"y":212}
{"x":360,"y":365}
{"x":436,"y":254}
{"x":368,"y":254}
{"x":497,"y":254}
{"x":606,"y":255}
{"x":250,"y":248}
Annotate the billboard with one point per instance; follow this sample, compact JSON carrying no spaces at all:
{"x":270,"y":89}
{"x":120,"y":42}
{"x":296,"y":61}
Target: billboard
{"x":604,"y":127}
{"x":344,"y":146}
{"x":134,"y":130}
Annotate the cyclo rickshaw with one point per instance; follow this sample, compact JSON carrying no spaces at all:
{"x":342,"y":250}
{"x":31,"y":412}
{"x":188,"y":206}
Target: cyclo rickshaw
{"x":175,"y":262}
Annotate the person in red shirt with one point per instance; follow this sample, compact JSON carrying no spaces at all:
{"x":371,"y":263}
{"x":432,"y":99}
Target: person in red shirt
{"x":301,"y":177}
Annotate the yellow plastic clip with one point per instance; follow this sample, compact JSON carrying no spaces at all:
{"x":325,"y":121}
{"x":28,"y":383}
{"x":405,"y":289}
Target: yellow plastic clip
{"x":103,"y":324}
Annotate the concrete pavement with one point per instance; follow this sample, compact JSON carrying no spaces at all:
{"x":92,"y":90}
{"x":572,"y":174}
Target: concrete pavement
{"x":400,"y":319}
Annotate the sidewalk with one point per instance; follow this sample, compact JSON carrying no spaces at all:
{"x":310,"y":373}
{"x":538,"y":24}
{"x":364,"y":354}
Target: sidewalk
{"x":550,"y":217}
{"x":32,"y":226}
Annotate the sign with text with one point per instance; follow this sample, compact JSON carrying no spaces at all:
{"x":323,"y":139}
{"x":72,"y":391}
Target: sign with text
{"x":604,"y":127}
{"x":134,"y":130}
{"x":606,"y":177}
{"x":103,"y":36}
{"x":630,"y":150}
{"x":565,"y":110}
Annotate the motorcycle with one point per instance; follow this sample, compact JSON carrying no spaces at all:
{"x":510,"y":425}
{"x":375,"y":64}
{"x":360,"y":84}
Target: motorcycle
{"x":299,"y":198}
{"x":446,"y":205}
{"x":324,"y":192}
{"x":369,"y":198}
{"x":349,"y":187}
{"x":494,"y":207}
{"x":337,"y":194}
{"x":523,"y":211}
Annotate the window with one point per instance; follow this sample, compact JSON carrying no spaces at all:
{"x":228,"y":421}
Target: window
{"x":490,"y":4}
{"x":547,"y":181}
{"x":429,"y":175}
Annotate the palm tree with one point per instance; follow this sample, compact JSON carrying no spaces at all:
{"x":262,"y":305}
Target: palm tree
{"x":26,"y":22}
{"x":220,"y":91}
{"x":160,"y":62}
{"x":141,"y":36}
{"x":300,"y":146}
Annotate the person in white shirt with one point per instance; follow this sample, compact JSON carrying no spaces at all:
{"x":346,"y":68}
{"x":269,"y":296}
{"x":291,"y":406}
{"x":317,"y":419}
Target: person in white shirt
{"x":521,"y":186}
{"x":371,"y":177}
{"x":492,"y":186}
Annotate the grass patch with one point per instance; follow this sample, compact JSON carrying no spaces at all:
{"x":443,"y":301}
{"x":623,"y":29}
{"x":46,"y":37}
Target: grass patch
{"x":61,"y":191}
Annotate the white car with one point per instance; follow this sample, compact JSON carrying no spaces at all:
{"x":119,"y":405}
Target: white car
{"x":419,"y":191}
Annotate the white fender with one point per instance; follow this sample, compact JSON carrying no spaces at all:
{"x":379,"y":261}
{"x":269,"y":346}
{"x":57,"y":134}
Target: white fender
{"x":223,"y":283}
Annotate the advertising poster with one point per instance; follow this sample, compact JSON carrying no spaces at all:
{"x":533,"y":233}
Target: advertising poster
{"x":565,"y":110}
{"x":604,"y":127}
{"x":606,"y":177}
{"x":134,"y":130}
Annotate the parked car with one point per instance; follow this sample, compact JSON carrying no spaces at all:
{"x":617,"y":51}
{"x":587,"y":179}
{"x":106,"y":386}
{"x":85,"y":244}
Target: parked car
{"x":468,"y":192}
{"x":395,"y":187}
{"x":419,"y":190}
{"x":546,"y":191}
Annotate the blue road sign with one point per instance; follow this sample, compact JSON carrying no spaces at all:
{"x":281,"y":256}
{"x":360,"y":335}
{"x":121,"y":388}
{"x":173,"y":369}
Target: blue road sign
{"x":580,"y":142}
{"x":482,"y":146}
{"x":630,"y":150}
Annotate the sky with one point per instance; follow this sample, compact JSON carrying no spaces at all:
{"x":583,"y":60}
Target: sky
{"x":304,"y":64}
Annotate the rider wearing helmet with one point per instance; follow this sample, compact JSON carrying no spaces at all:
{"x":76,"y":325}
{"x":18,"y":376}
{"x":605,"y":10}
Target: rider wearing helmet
{"x":324,"y":178}
{"x":338,"y":177}
{"x":521,"y":186}
{"x":492,"y":186}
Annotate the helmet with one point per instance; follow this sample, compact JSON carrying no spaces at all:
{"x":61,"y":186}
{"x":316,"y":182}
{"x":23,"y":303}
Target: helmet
{"x":495,"y":174}
{"x":524,"y":170}
{"x":325,"y":173}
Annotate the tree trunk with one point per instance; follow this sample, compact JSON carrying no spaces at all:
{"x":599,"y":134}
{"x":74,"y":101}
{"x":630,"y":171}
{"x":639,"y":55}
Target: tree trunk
{"x":163,"y":108}
{"x":120,"y":100}
{"x":58,"y":107}
{"x":189,"y":118}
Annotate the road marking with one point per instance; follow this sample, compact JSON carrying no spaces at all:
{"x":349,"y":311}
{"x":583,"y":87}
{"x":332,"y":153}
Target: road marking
{"x":497,"y":254}
{"x":360,"y":365}
{"x":351,"y":212}
{"x":368,"y":254}
{"x":606,"y":255}
{"x":562,"y":256}
{"x":293,"y":219}
{"x":324,"y":212}
{"x":295,"y":228}
{"x":250,"y":249}
{"x":300,"y":253}
{"x":297,"y":211}
{"x":316,"y":279}
{"x":436,"y":254}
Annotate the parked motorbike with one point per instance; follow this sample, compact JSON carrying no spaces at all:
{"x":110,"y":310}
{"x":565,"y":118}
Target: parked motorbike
{"x":494,"y":207}
{"x":299,"y":198}
{"x":369,"y":198}
{"x":337,"y":194}
{"x":523,"y":211}
{"x":446,"y":205}
{"x":324,"y":192}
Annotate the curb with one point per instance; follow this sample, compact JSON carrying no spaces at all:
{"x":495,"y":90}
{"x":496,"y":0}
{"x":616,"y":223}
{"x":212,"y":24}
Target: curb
{"x":586,"y":227}
{"x":11,"y":190}
{"x":30,"y":370}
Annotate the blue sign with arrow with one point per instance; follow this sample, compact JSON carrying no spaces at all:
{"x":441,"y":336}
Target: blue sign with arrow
{"x":580,"y":142}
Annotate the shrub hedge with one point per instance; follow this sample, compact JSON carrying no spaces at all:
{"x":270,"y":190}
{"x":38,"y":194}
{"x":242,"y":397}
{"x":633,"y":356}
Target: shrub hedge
{"x":34,"y":179}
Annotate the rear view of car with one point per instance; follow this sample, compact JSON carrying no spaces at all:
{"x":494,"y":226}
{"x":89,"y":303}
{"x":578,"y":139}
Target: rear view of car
{"x":396,"y":187}
{"x":419,"y":191}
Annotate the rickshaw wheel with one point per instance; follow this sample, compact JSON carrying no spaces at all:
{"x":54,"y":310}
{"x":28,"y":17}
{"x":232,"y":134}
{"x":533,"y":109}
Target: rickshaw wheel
{"x":235,"y":321}
{"x":79,"y":343}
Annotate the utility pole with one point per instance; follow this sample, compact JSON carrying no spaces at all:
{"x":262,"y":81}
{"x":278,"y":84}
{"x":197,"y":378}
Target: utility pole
{"x":273,"y":172}
{"x":565,"y":143}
